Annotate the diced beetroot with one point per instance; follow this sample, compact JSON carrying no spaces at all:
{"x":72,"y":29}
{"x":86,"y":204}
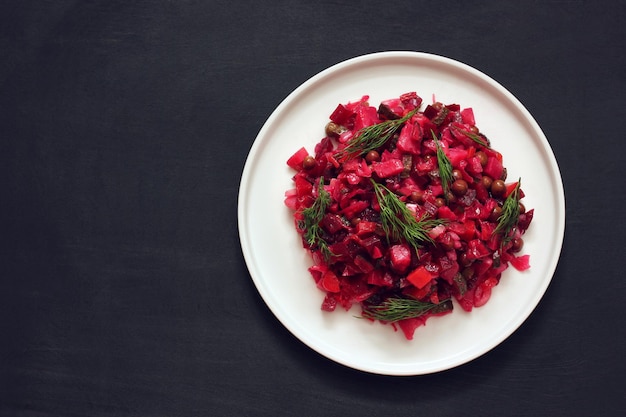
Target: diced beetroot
{"x":379,"y":278}
{"x":364,"y":170}
{"x":365,"y":227}
{"x":400,"y":257}
{"x":509,"y":189}
{"x":375,"y":277}
{"x":410,"y":100}
{"x":407,"y":186}
{"x":350,"y":270}
{"x":330,"y":302}
{"x":351,"y":165}
{"x":444,"y":212}
{"x":426,"y":164}
{"x":476,"y":249}
{"x":525,"y":219}
{"x":363,"y":264}
{"x":391,"y":109}
{"x":432,"y":266}
{"x":388,"y":168}
{"x":418,"y":293}
{"x":489,"y":206}
{"x":332,"y":223}
{"x":354,"y":290}
{"x":449,"y":139}
{"x":303,"y":186}
{"x":521,"y":263}
{"x":468,"y":116}
{"x":474,"y":166}
{"x":295,"y":160}
{"x":355,"y":207}
{"x":408,"y":326}
{"x":430,"y":207}
{"x":494,"y":168}
{"x":465,"y":175}
{"x":341,"y":115}
{"x":437,"y":231}
{"x":324,"y":146}
{"x":430,"y":146}
{"x":435,"y":189}
{"x":449,"y":269}
{"x":481,"y":267}
{"x":424,"y":122}
{"x":467,"y":199}
{"x":456,"y":155}
{"x":317,"y":271}
{"x":470,"y":230}
{"x":341,"y":253}
{"x":373,"y":246}
{"x":430,"y":112}
{"x":291,"y":200}
{"x":465,"y":230}
{"x":331,"y":158}
{"x":497,"y":270}
{"x":350,"y":177}
{"x":482,"y":293}
{"x":492,"y":153}
{"x":476,"y":211}
{"x":490,"y":282}
{"x":420,"y":277}
{"x":410,"y":137}
{"x":365,"y":116}
{"x":329,"y":282}
{"x":388,"y":155}
{"x":486,"y":230}
{"x":467,"y":300}
{"x":482,"y":194}
{"x":494,"y":241}
{"x":361,"y":102}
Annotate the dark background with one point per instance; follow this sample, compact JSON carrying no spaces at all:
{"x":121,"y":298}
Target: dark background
{"x":124,"y":128}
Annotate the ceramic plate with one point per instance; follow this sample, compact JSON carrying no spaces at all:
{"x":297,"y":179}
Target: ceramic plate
{"x":278,"y":264}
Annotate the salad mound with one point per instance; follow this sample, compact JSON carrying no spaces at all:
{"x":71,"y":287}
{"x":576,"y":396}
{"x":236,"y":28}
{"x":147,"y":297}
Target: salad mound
{"x":405,"y":209}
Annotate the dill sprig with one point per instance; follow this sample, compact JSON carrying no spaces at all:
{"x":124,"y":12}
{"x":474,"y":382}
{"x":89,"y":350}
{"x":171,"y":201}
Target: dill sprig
{"x":507,"y":221}
{"x":372,"y":137}
{"x":476,"y":138}
{"x":312,"y":216}
{"x":398,"y":222}
{"x":445,"y":167}
{"x":394,"y":309}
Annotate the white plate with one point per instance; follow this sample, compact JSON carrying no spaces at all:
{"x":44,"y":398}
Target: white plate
{"x":278,"y":263}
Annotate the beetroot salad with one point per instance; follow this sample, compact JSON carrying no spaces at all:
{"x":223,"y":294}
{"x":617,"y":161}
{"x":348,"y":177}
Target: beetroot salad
{"x":405,"y":208}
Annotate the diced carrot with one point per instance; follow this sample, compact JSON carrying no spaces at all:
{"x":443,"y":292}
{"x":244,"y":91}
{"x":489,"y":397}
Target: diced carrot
{"x":420,"y":277}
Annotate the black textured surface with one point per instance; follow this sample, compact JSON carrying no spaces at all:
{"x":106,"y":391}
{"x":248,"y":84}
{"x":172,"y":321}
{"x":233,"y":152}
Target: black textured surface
{"x":124,"y":127}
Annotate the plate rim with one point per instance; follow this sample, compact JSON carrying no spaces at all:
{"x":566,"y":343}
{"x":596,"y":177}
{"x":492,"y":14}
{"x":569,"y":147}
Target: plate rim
{"x":242,"y":200}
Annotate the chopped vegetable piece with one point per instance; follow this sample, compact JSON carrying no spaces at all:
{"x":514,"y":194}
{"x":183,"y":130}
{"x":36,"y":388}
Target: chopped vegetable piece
{"x":404,"y":223}
{"x":420,"y":277}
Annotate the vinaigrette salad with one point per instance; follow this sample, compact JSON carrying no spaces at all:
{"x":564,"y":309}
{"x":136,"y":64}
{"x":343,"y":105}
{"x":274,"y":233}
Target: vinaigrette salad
{"x":405,"y":208}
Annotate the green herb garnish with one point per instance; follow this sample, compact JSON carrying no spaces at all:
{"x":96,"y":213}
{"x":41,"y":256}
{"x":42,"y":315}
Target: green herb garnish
{"x":395,"y":308}
{"x":445,"y":167}
{"x":312,"y":216}
{"x":398,"y":222}
{"x":507,"y":221}
{"x":372,"y":137}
